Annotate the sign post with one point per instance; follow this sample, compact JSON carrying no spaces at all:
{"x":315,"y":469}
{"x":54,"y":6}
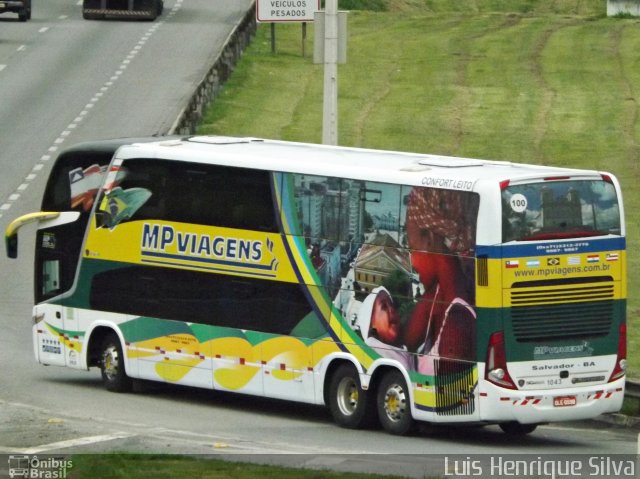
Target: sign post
{"x":330,"y":49}
{"x":278,"y":11}
{"x":286,"y":10}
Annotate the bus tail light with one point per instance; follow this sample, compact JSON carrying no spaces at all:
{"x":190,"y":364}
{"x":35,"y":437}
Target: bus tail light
{"x":621,"y":360}
{"x":606,"y":178}
{"x":496,"y":364}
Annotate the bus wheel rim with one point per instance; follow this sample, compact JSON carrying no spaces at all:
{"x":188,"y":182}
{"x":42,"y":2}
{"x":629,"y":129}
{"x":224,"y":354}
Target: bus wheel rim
{"x":110,"y":362}
{"x":347,"y":396}
{"x":395,"y":403}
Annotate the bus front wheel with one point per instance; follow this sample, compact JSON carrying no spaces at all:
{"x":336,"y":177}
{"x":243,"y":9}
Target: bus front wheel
{"x":517,"y":429}
{"x":114,"y":375}
{"x":394,"y":404}
{"x":348,"y":402}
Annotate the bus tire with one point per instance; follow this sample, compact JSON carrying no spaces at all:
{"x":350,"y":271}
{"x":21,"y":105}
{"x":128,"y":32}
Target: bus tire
{"x":394,"y":404}
{"x":516,"y":429}
{"x":348,"y":402}
{"x":114,"y":376}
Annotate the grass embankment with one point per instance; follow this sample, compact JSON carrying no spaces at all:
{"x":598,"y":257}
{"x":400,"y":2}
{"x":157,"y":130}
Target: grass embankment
{"x":534,"y":81}
{"x":147,"y":466}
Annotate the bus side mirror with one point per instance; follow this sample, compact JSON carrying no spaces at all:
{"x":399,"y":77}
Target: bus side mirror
{"x":51,"y":219}
{"x":11,"y":244}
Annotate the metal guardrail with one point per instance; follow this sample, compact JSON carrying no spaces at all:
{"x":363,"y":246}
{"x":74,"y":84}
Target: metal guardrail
{"x":632,"y":389}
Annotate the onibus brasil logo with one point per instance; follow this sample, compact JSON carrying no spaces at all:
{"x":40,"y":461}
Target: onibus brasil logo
{"x":33,"y":467}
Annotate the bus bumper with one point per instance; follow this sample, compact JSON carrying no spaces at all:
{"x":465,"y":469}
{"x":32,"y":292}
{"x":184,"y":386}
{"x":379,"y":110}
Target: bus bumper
{"x":541,"y":406}
{"x":122,"y":9}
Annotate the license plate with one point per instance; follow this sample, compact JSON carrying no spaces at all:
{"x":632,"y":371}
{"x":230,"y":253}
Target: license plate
{"x":2,"y":4}
{"x":563,"y":401}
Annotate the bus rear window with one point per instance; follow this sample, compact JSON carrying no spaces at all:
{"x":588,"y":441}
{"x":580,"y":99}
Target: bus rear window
{"x":559,"y":209}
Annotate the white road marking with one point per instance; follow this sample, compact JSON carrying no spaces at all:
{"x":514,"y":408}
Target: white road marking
{"x":80,"y":441}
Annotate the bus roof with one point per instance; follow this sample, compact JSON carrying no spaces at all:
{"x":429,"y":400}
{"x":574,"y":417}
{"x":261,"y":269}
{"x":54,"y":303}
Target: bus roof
{"x":356,"y":163}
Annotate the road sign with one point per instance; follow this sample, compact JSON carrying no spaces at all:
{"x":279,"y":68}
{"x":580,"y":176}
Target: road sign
{"x":286,"y":10}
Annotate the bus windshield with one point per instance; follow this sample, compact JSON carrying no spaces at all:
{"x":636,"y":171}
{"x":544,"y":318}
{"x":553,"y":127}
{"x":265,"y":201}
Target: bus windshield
{"x":559,"y":209}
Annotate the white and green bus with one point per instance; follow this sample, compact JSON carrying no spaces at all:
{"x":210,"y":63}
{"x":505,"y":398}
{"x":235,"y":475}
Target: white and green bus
{"x":389,"y":286}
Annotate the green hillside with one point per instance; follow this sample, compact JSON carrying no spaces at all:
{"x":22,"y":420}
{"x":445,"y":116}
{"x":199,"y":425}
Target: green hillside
{"x":553,"y":82}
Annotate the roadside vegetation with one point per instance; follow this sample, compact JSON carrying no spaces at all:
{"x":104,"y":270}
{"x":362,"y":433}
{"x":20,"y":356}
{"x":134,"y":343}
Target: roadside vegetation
{"x":552,"y":82}
{"x":149,"y":466}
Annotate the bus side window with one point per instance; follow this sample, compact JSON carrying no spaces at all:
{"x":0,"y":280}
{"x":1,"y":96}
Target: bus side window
{"x":50,"y":276}
{"x":210,"y":195}
{"x":247,"y":193}
{"x":206,"y":298}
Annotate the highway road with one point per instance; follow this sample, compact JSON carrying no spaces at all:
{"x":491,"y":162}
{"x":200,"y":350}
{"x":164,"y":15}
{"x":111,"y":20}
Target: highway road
{"x":65,"y":80}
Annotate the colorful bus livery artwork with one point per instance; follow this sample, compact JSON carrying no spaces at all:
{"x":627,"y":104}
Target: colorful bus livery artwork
{"x":388,"y":286}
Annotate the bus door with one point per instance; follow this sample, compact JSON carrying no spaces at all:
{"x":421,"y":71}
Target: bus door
{"x":56,"y":259}
{"x":71,"y":190}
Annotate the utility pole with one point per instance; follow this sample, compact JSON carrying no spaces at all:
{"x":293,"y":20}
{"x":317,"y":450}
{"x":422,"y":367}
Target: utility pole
{"x":330,"y":103}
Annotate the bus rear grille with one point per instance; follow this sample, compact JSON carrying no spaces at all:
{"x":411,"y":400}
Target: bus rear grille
{"x":562,"y":321}
{"x":454,"y":382}
{"x":577,"y":293}
{"x":119,"y":13}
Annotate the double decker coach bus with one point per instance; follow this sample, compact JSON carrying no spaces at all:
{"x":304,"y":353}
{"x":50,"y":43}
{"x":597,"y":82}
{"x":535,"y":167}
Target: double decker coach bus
{"x":389,"y":286}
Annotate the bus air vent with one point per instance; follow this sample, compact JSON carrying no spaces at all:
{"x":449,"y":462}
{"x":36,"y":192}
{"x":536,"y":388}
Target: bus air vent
{"x":219,"y":140}
{"x":450,"y":162}
{"x":551,"y":295}
{"x":482,"y":268}
{"x":454,"y":382}
{"x":562,"y":321}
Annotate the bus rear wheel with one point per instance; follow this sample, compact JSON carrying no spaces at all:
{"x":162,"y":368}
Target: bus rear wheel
{"x":348,"y":402}
{"x":114,"y":376}
{"x":394,"y":404}
{"x":517,"y":429}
